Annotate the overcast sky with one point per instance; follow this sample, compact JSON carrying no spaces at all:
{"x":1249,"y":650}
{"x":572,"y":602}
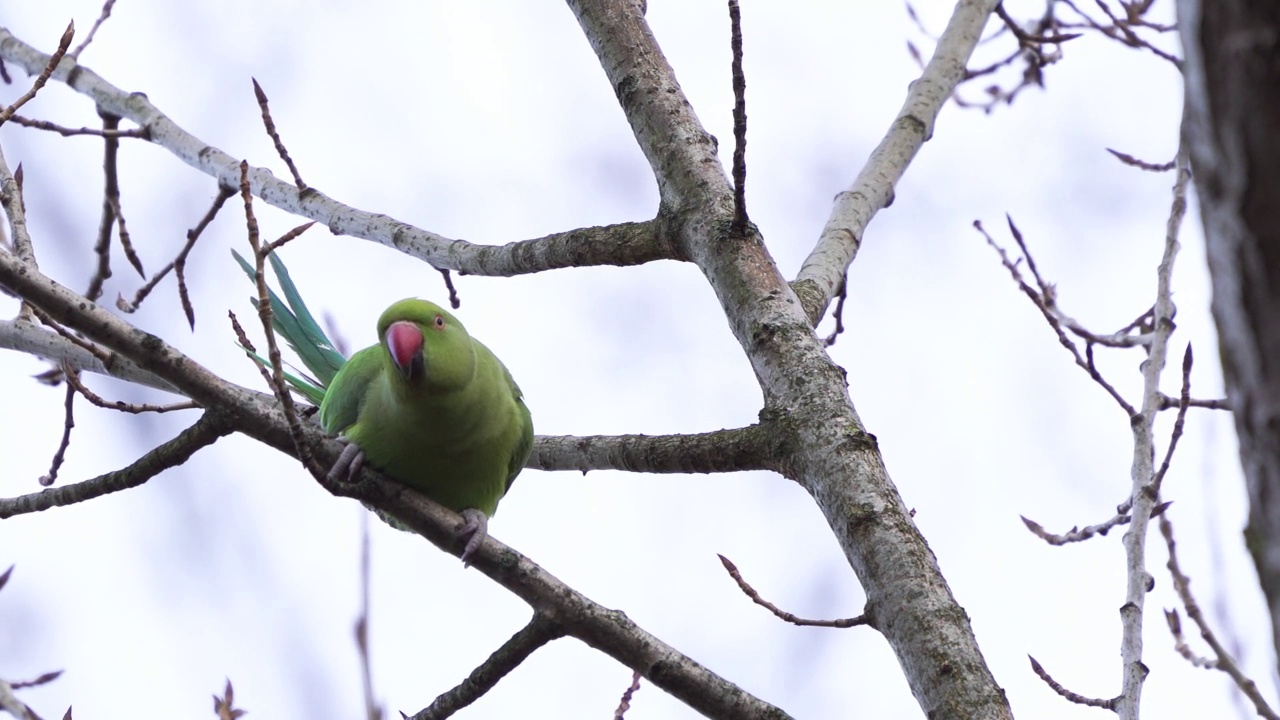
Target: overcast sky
{"x":493,"y":122}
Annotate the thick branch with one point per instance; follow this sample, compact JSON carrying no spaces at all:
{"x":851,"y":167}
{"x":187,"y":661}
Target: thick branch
{"x":609,"y":631}
{"x":202,"y":434}
{"x":832,"y":455}
{"x":248,"y":412}
{"x":1233,"y":75}
{"x":822,"y":272}
{"x":623,"y":244}
{"x":43,"y":343}
{"x":756,"y":447}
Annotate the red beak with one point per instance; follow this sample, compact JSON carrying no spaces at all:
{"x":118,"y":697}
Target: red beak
{"x":404,"y":342}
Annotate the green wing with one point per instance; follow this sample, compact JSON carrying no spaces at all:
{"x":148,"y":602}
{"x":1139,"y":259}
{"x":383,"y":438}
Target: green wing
{"x":524,"y":445}
{"x":341,"y":406}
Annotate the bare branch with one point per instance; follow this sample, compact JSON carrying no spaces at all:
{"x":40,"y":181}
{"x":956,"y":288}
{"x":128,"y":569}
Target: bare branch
{"x":1044,"y":301}
{"x":179,"y":264}
{"x":68,"y":422}
{"x":1067,"y":694}
{"x":12,"y":705}
{"x":72,"y":377}
{"x":832,"y":455}
{"x":1179,"y":422}
{"x":1222,"y":659}
{"x":372,"y":710}
{"x":15,"y":209}
{"x":625,"y":703}
{"x":203,"y":433}
{"x":740,"y":219}
{"x":1143,"y":493}
{"x":69,"y":132}
{"x":783,"y":614}
{"x":755,"y":447}
{"x":540,"y":631}
{"x":28,"y":338}
{"x":872,"y":190}
{"x":278,"y":384}
{"x":622,"y":244}
{"x":102,"y":17}
{"x":1078,"y":534}
{"x":49,"y":64}
{"x":111,"y":217}
{"x":270,"y":125}
{"x":1140,"y":164}
{"x":257,"y":416}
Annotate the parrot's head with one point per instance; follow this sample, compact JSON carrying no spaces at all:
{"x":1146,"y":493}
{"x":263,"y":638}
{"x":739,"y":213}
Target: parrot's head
{"x":428,"y":349}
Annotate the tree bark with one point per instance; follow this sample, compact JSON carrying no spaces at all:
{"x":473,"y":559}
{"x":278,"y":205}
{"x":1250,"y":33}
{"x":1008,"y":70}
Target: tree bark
{"x":1232,"y":50}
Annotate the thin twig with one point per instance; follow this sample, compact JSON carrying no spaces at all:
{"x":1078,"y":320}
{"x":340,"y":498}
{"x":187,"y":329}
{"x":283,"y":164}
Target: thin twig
{"x":16,"y":210}
{"x":1174,"y":621}
{"x":1141,"y":164}
{"x":110,"y":212}
{"x":103,"y":355}
{"x":454,"y":301}
{"x":278,"y":385}
{"x":1223,"y":659}
{"x":279,"y":242}
{"x":625,"y":703}
{"x":373,"y":711}
{"x":73,"y":379}
{"x":243,"y":339}
{"x":783,"y":614}
{"x":1184,"y":402}
{"x":1076,"y":534}
{"x":740,"y":220}
{"x":1067,"y":694}
{"x":1043,"y":299}
{"x":140,"y":133}
{"x":179,"y":264}
{"x":102,"y":17}
{"x":69,"y":422}
{"x":1169,"y":403}
{"x":203,"y":433}
{"x":1143,"y":492}
{"x":44,"y":75}
{"x":540,"y":631}
{"x":838,"y":313}
{"x":275,"y":136}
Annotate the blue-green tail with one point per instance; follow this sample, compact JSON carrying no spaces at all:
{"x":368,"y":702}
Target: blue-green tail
{"x":299,"y":329}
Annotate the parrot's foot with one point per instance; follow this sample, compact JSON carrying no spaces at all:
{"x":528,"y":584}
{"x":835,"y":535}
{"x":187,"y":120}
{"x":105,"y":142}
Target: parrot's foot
{"x":349,"y":463}
{"x":475,"y":529}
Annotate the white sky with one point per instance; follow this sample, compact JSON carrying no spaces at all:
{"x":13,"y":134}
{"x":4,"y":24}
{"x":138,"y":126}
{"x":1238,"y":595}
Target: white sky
{"x":493,"y":122}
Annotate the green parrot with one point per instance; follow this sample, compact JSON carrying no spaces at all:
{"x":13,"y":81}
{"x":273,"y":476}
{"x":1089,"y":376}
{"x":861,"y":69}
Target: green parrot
{"x":428,"y":405}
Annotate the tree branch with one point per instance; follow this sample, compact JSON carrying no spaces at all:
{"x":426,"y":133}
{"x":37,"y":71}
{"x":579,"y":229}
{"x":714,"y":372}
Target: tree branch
{"x":831,"y":455}
{"x":255,"y":415}
{"x":756,"y":447}
{"x":1144,"y":494}
{"x":207,"y":430}
{"x":819,"y":278}
{"x":540,"y":631}
{"x":632,"y":243}
{"x":34,"y":340}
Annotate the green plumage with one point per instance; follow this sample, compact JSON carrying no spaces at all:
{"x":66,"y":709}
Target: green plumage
{"x":459,"y":432}
{"x":428,"y":405}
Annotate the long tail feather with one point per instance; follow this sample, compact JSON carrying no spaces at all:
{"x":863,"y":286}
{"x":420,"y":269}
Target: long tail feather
{"x":295,"y":323}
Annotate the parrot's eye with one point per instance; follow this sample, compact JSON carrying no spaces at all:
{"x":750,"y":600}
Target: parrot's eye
{"x":439,"y":322}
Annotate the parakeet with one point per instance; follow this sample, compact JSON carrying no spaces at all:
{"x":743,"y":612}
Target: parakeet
{"x":428,"y":405}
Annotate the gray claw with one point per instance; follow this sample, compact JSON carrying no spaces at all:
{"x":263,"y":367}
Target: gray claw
{"x":475,"y":529}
